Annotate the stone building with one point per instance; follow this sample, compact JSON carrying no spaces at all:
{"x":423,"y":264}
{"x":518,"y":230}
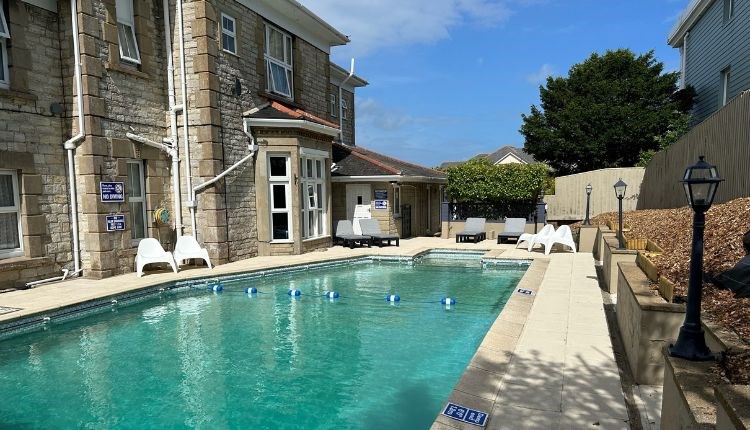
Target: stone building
{"x":127,"y":119}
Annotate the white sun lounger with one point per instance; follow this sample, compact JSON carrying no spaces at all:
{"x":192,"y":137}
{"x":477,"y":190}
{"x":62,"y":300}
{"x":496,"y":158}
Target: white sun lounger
{"x":150,"y":251}
{"x":187,"y":247}
{"x":532,"y":239}
{"x":562,"y":236}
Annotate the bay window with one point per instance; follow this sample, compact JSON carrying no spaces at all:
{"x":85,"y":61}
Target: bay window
{"x":279,"y":189}
{"x":313,"y":198}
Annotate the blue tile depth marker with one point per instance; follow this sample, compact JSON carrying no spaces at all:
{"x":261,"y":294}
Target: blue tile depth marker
{"x":466,"y":415}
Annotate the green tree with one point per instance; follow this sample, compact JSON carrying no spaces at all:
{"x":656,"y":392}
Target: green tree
{"x":608,"y":111}
{"x":479,"y":181}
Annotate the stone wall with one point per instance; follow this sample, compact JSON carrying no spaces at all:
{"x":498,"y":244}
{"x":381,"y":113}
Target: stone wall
{"x":31,"y":139}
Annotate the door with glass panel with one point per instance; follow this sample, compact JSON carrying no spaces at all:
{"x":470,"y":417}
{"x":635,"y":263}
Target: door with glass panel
{"x":137,"y":200}
{"x":11,"y":244}
{"x":280,"y":198}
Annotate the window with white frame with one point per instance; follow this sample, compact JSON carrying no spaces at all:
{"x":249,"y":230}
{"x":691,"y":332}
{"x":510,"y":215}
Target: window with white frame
{"x":228,"y":34}
{"x":279,"y":178}
{"x":126,"y":31}
{"x":313,"y":196}
{"x":344,"y":107}
{"x":136,"y":193}
{"x":396,"y":200}
{"x":4,"y":36}
{"x":334,"y":108}
{"x":278,"y":58}
{"x":725,"y":81}
{"x":10,"y":215}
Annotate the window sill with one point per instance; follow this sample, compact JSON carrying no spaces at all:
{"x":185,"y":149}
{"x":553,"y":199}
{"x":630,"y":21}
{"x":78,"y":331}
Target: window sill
{"x":233,"y":54}
{"x":126,"y":70}
{"x":9,"y":92}
{"x":279,"y":98}
{"x":281,"y":241}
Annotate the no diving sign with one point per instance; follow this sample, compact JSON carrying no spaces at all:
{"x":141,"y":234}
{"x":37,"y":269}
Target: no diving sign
{"x":464,"y":414}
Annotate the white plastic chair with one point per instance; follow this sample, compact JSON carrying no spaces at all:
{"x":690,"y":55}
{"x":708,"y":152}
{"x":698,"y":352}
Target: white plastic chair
{"x":187,"y":247}
{"x":532,"y":239}
{"x":562,"y":236}
{"x":150,"y":251}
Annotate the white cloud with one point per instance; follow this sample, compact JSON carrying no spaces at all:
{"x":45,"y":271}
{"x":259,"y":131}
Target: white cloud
{"x":377,"y":24}
{"x":540,"y":76}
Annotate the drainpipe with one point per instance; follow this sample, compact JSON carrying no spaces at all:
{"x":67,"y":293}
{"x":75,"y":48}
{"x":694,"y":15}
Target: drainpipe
{"x":173,"y":109}
{"x":66,"y":273}
{"x":253,"y":148}
{"x":169,"y":149}
{"x":71,"y":144}
{"x":341,"y":109}
{"x":185,"y":137}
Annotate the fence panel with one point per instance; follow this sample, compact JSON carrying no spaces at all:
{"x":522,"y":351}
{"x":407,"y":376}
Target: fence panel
{"x":724,"y":138}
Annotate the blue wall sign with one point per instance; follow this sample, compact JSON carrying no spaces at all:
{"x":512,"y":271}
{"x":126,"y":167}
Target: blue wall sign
{"x":381,"y":204}
{"x":115,"y":222}
{"x":112,"y":192}
{"x":464,"y":414}
{"x":381,"y":194}
{"x":527,"y":292}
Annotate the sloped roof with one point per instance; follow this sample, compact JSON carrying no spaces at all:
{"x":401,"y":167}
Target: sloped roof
{"x":358,"y":161}
{"x":510,"y":150}
{"x":276,"y":110}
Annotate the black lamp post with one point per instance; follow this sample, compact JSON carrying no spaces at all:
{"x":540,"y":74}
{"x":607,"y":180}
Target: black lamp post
{"x":700,"y":181}
{"x":589,"y":188}
{"x":620,"y":188}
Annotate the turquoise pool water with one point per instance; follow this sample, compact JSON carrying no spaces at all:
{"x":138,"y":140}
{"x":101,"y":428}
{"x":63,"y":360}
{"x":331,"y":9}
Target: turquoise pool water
{"x":196,"y":359}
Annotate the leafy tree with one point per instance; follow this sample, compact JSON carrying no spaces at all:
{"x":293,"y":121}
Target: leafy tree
{"x":609,"y":110}
{"x":479,"y":181}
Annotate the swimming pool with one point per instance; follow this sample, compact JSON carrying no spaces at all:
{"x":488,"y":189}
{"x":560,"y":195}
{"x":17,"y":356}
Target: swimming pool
{"x":195,"y":359}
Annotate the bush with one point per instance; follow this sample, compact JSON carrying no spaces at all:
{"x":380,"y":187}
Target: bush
{"x":479,"y":181}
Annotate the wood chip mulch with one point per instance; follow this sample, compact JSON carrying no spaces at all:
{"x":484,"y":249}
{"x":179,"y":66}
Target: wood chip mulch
{"x":671,"y":229}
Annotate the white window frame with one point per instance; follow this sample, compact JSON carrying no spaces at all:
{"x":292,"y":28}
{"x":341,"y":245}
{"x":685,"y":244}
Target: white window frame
{"x":344,"y":107}
{"x":396,"y":201}
{"x":286,"y":182}
{"x":725,"y":80}
{"x":231,"y":34}
{"x":334,"y":106}
{"x":138,"y":199}
{"x":4,"y":36}
{"x":317,"y":180}
{"x":287,"y":63}
{"x":126,"y":26}
{"x":16,"y":208}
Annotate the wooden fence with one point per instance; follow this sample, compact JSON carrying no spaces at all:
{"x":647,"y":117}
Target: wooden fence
{"x":724,"y":138}
{"x":569,"y":201}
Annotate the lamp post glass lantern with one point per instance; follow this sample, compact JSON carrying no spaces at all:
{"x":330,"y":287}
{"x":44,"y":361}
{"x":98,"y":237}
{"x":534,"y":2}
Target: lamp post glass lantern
{"x":589,"y":188}
{"x":700,"y":181}
{"x":620,"y":188}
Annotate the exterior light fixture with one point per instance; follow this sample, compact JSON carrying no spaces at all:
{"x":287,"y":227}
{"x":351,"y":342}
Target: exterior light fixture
{"x":620,"y":188}
{"x":589,"y":188}
{"x":700,"y":181}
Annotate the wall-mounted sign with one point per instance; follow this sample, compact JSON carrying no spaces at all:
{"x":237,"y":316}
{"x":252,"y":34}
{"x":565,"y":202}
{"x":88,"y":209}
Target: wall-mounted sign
{"x":381,"y":204}
{"x":115,"y":222}
{"x":112,"y":192}
{"x":381,"y":194}
{"x":464,"y":414}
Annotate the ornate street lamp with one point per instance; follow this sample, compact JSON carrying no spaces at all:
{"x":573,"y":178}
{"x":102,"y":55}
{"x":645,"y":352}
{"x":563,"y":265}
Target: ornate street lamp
{"x":700,"y":181}
{"x":589,"y":188}
{"x":620,"y":188}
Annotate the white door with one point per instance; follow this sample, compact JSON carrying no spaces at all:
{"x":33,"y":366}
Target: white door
{"x":357,"y":194}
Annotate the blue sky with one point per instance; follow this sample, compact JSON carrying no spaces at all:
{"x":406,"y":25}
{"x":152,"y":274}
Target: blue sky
{"x":450,"y":78}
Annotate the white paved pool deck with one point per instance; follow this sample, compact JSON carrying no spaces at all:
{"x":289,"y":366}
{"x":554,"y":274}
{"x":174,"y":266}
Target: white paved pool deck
{"x":547,"y":362}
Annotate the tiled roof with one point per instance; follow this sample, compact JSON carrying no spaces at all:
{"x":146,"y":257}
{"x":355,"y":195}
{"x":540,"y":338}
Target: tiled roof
{"x":276,"y":110}
{"x":358,"y":161}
